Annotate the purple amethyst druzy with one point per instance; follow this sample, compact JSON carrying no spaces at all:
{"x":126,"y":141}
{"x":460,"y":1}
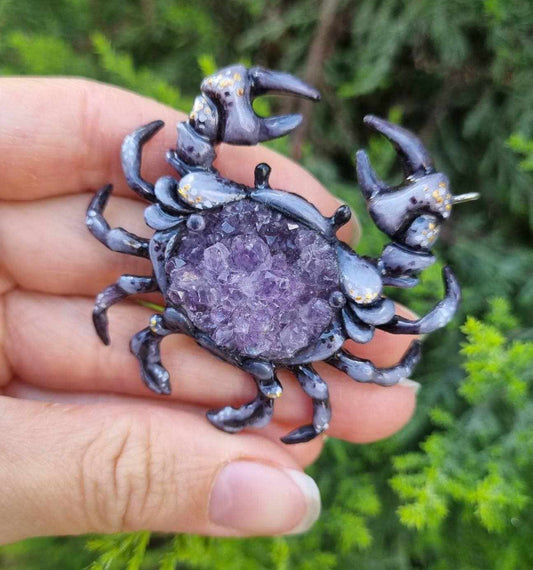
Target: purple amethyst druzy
{"x":257,"y":282}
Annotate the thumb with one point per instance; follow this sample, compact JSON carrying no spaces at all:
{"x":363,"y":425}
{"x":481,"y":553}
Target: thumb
{"x":75,"y":469}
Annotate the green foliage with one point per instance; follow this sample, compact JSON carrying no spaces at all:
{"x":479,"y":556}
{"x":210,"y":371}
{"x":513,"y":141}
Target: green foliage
{"x":453,"y":489}
{"x":476,"y":467}
{"x":121,"y":70}
{"x":525,"y":147}
{"x":119,"y":551}
{"x":46,"y":554}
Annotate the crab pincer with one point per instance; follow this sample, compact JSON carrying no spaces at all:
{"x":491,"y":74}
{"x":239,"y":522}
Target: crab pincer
{"x":233,"y":91}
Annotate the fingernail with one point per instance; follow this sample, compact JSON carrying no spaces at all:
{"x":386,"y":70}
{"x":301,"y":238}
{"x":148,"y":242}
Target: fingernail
{"x":261,"y":499}
{"x":411,"y":384}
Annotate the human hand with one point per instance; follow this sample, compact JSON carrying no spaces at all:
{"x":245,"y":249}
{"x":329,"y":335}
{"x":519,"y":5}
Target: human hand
{"x":84,"y":446}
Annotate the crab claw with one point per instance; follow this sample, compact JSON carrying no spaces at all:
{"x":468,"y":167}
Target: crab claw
{"x":370,"y":184}
{"x":438,"y":317}
{"x":411,"y":213}
{"x":414,"y":155}
{"x":265,"y":81}
{"x":233,"y":90}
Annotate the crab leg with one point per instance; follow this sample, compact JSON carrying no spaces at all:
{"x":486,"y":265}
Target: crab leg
{"x":364,"y":371}
{"x":438,"y":317}
{"x":401,"y":265}
{"x":116,"y":239}
{"x":125,"y":286}
{"x":131,"y":155}
{"x":265,"y":377}
{"x":356,"y":329}
{"x":145,"y":345}
{"x":256,"y":413}
{"x":316,"y":388}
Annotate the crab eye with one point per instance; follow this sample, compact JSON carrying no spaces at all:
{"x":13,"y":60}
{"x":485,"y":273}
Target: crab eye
{"x":337,"y":300}
{"x":196,"y":223}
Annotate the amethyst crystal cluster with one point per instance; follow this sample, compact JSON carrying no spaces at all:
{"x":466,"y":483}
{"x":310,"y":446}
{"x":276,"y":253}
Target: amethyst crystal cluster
{"x":257,"y":282}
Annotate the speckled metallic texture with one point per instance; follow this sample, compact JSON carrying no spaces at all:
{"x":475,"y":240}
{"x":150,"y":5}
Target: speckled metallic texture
{"x":217,"y":269}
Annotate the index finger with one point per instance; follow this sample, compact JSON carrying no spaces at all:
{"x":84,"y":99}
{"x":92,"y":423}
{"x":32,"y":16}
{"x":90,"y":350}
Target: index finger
{"x":63,"y":136}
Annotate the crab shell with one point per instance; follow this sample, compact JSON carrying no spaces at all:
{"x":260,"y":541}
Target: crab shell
{"x":357,"y":306}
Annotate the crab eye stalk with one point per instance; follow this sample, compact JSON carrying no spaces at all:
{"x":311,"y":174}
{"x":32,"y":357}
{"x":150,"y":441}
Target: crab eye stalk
{"x":261,"y":175}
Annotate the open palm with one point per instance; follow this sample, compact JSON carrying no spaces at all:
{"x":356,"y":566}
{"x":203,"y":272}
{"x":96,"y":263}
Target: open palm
{"x":85,"y":446}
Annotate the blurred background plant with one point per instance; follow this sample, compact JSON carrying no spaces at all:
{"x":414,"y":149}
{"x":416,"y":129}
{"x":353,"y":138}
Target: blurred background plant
{"x":453,"y":489}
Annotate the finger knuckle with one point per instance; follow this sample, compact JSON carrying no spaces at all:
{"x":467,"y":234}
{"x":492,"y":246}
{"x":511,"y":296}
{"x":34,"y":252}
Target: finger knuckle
{"x":120,"y":474}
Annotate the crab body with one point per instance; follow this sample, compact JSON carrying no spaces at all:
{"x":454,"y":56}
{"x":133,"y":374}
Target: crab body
{"x":256,"y":275}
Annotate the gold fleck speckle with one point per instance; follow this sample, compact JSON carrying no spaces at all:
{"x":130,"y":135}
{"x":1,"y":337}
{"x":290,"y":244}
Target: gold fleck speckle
{"x":237,"y":76}
{"x":442,"y":185}
{"x":431,"y":226}
{"x":240,"y":91}
{"x":448,"y":206}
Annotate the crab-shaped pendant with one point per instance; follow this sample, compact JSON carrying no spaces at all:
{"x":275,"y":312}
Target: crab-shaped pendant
{"x":257,"y":275}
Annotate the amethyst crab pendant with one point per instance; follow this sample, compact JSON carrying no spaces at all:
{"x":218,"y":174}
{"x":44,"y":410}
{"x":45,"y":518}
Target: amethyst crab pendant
{"x":256,"y":275}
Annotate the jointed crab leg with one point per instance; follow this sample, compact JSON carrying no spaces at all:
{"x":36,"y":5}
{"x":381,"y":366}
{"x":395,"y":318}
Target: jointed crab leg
{"x":116,"y":239}
{"x":145,"y":346}
{"x":131,"y":155}
{"x":256,"y":414}
{"x":264,"y":374}
{"x":438,"y":317}
{"x":364,"y":371}
{"x":125,"y":285}
{"x":316,"y":388}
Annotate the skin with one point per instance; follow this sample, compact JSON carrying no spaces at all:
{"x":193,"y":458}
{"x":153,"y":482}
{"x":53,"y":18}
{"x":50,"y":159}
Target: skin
{"x":85,"y":446}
